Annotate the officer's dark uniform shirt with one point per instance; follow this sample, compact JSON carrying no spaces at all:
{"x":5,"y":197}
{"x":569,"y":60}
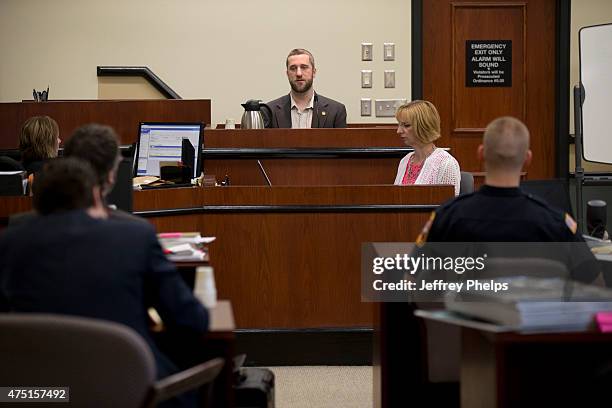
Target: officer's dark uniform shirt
{"x":495,"y":214}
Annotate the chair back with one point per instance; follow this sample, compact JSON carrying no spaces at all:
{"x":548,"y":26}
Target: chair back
{"x":9,"y":164}
{"x":466,"y":185}
{"x":105,"y":364}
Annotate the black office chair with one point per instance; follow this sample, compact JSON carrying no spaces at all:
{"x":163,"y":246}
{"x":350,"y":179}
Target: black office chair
{"x":11,"y":184}
{"x":105,"y":364}
{"x":466,"y":185}
{"x":10,"y":164}
{"x":122,"y":192}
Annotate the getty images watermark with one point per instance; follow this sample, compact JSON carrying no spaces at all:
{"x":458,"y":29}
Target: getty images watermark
{"x":397,"y":272}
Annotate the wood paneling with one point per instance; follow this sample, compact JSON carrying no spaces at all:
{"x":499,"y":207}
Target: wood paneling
{"x":465,"y":112}
{"x":295,"y":269}
{"x":535,"y":370}
{"x":320,"y":138}
{"x":123,"y":116}
{"x":486,"y":22}
{"x":311,"y":171}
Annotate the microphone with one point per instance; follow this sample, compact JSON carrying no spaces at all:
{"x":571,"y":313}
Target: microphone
{"x":263,"y":171}
{"x":597,"y":219}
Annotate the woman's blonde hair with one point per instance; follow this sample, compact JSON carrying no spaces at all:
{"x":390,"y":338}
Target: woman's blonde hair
{"x":423,"y":118}
{"x":38,"y":138}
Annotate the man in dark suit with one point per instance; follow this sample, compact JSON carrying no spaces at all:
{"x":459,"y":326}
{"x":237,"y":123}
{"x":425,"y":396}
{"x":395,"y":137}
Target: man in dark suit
{"x":74,"y":259}
{"x":303,"y":107}
{"x":98,"y":145}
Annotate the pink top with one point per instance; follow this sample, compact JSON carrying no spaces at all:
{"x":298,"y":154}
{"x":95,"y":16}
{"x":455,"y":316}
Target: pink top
{"x":439,"y":168}
{"x":412,"y":173}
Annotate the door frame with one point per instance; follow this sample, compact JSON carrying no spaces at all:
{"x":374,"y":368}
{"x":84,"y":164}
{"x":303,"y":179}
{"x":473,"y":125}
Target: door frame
{"x":562,"y":75}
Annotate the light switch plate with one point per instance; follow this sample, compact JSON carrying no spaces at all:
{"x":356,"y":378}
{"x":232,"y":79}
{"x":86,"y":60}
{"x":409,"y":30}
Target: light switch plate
{"x":389,"y":51}
{"x":385,"y":108}
{"x":366,"y":51}
{"x":389,"y":78}
{"x":366,"y":107}
{"x":366,"y":78}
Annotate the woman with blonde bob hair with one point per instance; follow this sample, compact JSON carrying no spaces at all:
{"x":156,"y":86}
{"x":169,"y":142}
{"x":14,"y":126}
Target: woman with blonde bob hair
{"x":419,"y":126}
{"x":39,"y":140}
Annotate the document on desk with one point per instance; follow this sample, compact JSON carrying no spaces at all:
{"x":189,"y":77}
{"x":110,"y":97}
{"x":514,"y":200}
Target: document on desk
{"x":185,"y":246}
{"x":446,"y":316}
{"x":535,"y":304}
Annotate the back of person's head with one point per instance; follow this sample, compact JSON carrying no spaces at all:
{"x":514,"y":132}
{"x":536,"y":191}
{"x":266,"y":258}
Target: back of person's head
{"x":64,"y":184}
{"x":39,"y":139}
{"x":505,"y":144}
{"x":97,"y":145}
{"x":423,"y":118}
{"x":300,"y":51}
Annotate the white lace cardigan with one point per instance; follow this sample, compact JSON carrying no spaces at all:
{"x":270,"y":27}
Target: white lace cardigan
{"x":439,"y":168}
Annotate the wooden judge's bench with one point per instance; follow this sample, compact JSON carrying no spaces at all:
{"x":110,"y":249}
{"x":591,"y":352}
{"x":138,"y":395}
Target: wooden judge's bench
{"x":287,"y":256}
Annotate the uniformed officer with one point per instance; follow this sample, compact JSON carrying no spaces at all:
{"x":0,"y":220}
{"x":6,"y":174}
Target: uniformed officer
{"x":500,"y":211}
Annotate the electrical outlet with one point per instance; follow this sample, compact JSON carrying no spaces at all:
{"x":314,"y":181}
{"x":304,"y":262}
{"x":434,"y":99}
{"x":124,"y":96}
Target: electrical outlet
{"x":389,"y":78}
{"x":366,"y":78}
{"x":366,"y":51}
{"x":385,"y":108}
{"x":389,"y":51}
{"x":366,"y":107}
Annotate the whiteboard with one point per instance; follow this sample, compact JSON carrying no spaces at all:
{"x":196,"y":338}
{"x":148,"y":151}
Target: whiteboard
{"x":596,"y":79}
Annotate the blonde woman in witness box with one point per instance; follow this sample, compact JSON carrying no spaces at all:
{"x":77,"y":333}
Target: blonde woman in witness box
{"x":419,"y":126}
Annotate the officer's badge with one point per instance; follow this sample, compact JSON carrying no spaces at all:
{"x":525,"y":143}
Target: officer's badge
{"x":571,"y":224}
{"x":422,"y":238}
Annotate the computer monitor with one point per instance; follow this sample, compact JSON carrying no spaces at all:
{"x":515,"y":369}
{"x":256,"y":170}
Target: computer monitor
{"x":167,"y":141}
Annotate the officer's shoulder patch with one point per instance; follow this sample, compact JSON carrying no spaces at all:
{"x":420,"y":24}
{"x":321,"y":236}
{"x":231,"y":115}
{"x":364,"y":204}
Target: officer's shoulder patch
{"x":422,"y":238}
{"x":571,"y":224}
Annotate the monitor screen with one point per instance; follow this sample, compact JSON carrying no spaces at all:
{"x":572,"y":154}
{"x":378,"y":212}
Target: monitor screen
{"x":169,"y":142}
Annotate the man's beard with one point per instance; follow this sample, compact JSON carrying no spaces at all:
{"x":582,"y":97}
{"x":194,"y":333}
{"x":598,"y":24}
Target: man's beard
{"x":306,"y":87}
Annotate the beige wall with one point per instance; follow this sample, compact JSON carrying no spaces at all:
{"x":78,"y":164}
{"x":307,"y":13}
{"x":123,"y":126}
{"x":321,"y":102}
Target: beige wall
{"x":226,"y":51}
{"x":112,"y":87}
{"x":584,"y":13}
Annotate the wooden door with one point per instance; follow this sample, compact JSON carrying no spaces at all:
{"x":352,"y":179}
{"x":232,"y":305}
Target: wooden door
{"x":449,"y":28}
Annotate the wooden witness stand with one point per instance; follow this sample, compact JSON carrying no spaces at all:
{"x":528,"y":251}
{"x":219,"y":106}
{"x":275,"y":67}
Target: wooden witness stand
{"x":289,"y":257}
{"x":292,"y":250}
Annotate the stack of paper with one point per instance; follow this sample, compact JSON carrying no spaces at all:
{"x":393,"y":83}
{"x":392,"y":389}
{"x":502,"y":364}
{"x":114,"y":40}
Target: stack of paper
{"x":535,"y":304}
{"x":185,"y":246}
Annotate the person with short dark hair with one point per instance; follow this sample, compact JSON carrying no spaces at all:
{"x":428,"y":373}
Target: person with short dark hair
{"x":303,"y":107}
{"x":98,"y":145}
{"x":73,"y":259}
{"x":500,"y":211}
{"x":39,"y":141}
{"x":68,"y":185}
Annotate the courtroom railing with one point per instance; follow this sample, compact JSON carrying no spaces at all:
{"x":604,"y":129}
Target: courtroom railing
{"x":143,"y":72}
